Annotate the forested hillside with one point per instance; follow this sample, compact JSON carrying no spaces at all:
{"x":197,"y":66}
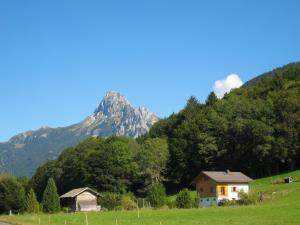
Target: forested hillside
{"x":254,"y":129}
{"x":115,"y":164}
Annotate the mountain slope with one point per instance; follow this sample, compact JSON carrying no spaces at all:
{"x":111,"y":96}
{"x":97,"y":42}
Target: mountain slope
{"x":23,"y":153}
{"x":291,"y":71}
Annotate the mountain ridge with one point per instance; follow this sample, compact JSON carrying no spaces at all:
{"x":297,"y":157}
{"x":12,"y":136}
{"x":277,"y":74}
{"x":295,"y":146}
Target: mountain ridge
{"x":113,"y":115}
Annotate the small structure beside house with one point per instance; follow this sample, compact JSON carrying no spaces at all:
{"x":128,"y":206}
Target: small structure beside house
{"x":81,"y":199}
{"x":288,"y":179}
{"x":215,"y":187}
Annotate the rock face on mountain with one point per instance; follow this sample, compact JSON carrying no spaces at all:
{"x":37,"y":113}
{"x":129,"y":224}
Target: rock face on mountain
{"x":23,"y":153}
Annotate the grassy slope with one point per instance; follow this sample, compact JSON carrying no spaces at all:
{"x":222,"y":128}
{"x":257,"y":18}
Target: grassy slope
{"x":282,"y":208}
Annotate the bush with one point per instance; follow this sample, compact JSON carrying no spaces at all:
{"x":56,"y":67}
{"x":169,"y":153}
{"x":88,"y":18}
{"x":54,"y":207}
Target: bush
{"x":171,"y":203}
{"x":127,"y":203}
{"x":157,"y":195}
{"x":226,"y":202}
{"x":111,"y":201}
{"x":250,"y":198}
{"x":196,"y":203}
{"x":184,"y":199}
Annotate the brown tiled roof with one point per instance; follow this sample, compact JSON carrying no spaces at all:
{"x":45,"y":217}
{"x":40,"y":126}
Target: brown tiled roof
{"x":226,"y":177}
{"x":77,"y":191}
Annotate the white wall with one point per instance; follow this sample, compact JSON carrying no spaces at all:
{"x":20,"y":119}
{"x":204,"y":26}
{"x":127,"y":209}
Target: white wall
{"x":239,"y":187}
{"x":86,"y":201}
{"x":207,"y":202}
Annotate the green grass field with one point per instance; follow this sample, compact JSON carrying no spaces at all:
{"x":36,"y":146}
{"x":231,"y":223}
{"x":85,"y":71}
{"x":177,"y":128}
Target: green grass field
{"x":281,"y":207}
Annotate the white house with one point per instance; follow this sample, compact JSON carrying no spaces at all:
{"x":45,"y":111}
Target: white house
{"x":216,"y":186}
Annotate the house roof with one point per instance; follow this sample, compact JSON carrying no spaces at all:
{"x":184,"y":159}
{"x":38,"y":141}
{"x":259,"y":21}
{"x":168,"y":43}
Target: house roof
{"x":77,"y":191}
{"x":226,"y":177}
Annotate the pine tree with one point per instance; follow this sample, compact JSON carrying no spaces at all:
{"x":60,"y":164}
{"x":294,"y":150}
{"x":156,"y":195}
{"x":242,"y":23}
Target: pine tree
{"x":211,"y":99}
{"x":50,"y":200}
{"x":32,"y":205}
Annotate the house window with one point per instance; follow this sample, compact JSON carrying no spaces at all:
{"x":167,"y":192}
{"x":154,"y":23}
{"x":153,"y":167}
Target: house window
{"x":207,"y":199}
{"x":233,"y":189}
{"x":211,"y":189}
{"x":222,"y":190}
{"x":215,"y":199}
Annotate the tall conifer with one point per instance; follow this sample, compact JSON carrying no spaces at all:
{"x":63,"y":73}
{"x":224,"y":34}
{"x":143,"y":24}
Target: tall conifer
{"x":50,"y":202}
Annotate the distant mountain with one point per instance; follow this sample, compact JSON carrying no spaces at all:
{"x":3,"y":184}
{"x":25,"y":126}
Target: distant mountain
{"x":23,"y":153}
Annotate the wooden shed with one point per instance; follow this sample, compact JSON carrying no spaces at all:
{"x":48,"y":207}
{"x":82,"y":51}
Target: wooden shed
{"x":81,"y":199}
{"x":288,"y":179}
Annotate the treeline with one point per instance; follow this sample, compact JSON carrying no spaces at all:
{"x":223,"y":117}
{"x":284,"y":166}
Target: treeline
{"x":254,"y":129}
{"x":115,"y":164}
{"x":17,"y":196}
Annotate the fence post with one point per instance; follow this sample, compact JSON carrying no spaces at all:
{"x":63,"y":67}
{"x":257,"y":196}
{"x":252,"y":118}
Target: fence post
{"x":86,"y":219}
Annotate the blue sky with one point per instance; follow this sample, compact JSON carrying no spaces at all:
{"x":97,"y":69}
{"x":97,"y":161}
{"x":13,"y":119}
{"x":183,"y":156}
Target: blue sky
{"x":58,"y":58}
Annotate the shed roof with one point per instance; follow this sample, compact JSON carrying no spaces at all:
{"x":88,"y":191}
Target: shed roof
{"x":226,"y":177}
{"x":77,"y":191}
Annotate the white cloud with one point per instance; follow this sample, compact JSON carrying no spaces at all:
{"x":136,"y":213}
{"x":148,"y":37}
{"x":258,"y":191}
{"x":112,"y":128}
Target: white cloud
{"x":225,"y":86}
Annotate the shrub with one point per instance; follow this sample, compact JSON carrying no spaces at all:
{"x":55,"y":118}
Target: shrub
{"x":157,"y":195}
{"x":247,"y":198}
{"x":226,"y":202}
{"x":196,"y":203}
{"x":111,"y":201}
{"x":184,"y":199}
{"x":171,"y":203}
{"x":128,"y":203}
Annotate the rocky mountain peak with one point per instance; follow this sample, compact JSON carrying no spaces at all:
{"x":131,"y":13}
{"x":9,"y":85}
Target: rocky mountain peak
{"x":113,"y":104}
{"x":114,"y":115}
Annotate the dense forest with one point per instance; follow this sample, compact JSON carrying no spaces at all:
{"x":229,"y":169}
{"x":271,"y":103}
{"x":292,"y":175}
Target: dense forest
{"x":254,"y":129}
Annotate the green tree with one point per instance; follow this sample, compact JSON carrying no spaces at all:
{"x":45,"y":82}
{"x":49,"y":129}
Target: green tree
{"x":51,"y":202}
{"x":110,"y":168}
{"x":39,"y":181}
{"x":184,"y":199}
{"x":152,"y":160}
{"x":32,"y":205}
{"x":157,"y":195}
{"x":211,"y":99}
{"x":12,"y":195}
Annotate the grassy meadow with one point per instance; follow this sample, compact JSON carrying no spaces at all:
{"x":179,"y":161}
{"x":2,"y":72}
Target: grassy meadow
{"x":282,"y":206}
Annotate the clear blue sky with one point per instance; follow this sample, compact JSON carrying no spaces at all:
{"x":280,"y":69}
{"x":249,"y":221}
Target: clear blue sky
{"x":58,"y":58}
